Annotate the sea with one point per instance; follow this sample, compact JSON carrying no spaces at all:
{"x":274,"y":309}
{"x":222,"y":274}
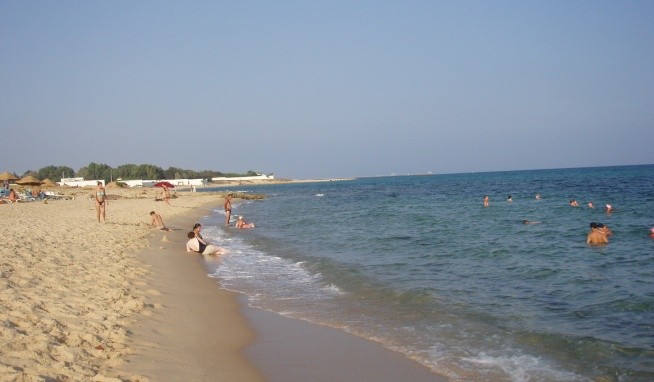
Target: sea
{"x":417,"y":264}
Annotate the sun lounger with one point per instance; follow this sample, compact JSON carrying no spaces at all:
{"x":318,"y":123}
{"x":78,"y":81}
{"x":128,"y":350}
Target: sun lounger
{"x":26,"y":198}
{"x":53,"y":196}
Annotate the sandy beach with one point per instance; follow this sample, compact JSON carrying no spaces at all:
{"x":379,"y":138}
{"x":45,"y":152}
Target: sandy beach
{"x":121,"y":301}
{"x":71,"y":287}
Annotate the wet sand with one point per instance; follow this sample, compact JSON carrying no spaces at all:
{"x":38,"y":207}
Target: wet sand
{"x":204,"y":333}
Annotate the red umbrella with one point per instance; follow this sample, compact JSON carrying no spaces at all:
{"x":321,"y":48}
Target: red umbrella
{"x":164,"y":184}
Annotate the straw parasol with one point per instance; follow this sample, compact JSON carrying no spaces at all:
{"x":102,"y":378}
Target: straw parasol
{"x":29,"y":181}
{"x":8,"y":176}
{"x":49,"y":183}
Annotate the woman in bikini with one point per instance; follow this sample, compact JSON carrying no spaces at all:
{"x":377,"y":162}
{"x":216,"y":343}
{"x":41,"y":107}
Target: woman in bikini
{"x":100,"y":201}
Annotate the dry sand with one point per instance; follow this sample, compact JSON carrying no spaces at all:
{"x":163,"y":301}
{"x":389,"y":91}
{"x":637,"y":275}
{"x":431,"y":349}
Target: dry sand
{"x":71,"y":287}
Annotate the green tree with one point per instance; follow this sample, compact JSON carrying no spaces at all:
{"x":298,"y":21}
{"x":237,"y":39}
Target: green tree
{"x":55,"y":173}
{"x":124,"y":171}
{"x":141,"y":171}
{"x":174,"y":173}
{"x":95,"y":171}
{"x":29,"y":172}
{"x":148,"y":171}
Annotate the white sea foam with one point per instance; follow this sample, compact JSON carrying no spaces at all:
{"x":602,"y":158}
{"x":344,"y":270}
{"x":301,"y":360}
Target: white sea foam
{"x":269,"y":280}
{"x":524,"y":368}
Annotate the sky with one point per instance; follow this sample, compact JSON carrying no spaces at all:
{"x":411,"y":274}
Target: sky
{"x":327,"y":89}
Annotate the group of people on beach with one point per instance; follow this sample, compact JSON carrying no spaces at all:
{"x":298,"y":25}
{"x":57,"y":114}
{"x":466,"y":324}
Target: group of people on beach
{"x":240,"y":221}
{"x":196,"y":243}
{"x":10,"y":196}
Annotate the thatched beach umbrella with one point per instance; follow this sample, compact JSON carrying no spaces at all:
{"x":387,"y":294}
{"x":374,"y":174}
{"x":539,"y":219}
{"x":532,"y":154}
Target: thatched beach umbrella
{"x":49,"y":183}
{"x":8,"y":176}
{"x":29,"y":181}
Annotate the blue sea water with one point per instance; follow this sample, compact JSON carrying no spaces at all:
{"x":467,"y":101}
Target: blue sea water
{"x":417,"y":264}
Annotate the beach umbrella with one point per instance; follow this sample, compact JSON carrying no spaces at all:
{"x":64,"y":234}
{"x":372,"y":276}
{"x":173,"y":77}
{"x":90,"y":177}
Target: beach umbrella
{"x":164,"y":184}
{"x":8,"y":176}
{"x":49,"y":183}
{"x":29,"y":181}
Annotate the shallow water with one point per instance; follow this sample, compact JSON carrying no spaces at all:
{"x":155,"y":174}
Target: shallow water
{"x":416,"y":263}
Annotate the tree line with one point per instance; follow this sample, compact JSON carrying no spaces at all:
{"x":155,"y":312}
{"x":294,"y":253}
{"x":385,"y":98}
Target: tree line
{"x":127,"y":172}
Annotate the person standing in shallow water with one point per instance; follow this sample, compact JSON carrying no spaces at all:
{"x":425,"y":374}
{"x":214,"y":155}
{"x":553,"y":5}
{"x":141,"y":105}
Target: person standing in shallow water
{"x":486,"y":204}
{"x":100,"y":201}
{"x":228,"y":209}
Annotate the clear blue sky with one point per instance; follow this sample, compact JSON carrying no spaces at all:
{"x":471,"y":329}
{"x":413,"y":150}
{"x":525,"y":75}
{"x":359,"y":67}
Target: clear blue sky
{"x":309,"y":89}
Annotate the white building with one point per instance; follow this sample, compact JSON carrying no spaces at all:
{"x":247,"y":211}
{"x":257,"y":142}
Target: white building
{"x":242,"y":178}
{"x":79,"y":182}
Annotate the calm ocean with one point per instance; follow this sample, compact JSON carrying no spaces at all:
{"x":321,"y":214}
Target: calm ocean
{"x":418,"y":265}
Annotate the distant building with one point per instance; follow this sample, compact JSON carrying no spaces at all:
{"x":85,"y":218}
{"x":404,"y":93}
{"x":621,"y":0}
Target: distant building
{"x":242,"y":178}
{"x":79,"y":182}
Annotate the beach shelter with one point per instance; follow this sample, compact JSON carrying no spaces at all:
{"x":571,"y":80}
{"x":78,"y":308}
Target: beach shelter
{"x":8,"y":176}
{"x":49,"y":183}
{"x":29,"y":181}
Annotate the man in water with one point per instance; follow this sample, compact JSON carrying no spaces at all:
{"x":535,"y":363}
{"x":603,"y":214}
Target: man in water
{"x":595,"y":236}
{"x":486,"y":204}
{"x":604,"y":229}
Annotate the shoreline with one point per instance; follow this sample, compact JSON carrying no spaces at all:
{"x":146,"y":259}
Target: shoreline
{"x":121,"y":301}
{"x":271,"y":347}
{"x":287,"y":349}
{"x":195,"y":330}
